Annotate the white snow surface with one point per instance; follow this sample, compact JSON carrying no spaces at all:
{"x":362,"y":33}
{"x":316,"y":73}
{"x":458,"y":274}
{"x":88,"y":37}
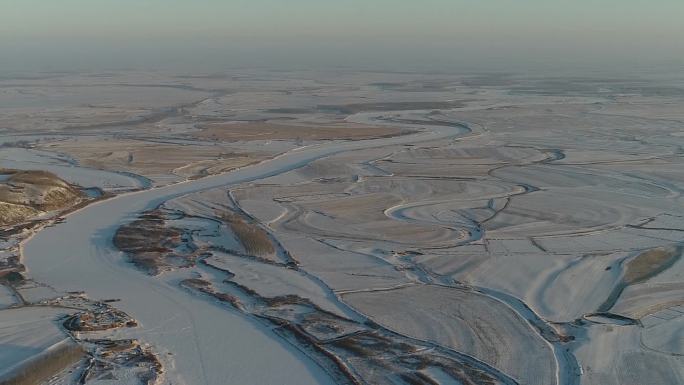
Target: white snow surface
{"x":27,"y":332}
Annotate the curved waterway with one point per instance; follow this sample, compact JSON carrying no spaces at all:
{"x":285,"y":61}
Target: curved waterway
{"x":207,"y":344}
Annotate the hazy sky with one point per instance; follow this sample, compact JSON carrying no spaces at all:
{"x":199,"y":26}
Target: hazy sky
{"x":442,"y":30}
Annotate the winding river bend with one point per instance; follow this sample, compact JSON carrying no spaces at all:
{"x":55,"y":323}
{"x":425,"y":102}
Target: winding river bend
{"x":209,"y":344}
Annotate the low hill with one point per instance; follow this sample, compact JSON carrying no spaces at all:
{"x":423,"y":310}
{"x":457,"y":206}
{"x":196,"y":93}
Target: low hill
{"x":27,"y":194}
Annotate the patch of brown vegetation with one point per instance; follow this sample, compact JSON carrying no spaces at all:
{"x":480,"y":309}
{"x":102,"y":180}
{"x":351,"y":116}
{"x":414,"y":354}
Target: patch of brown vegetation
{"x":146,"y":235}
{"x":640,"y":268}
{"x":273,"y":131}
{"x":195,"y":282}
{"x":148,"y":242}
{"x":370,"y":344}
{"x":417,"y":378}
{"x":11,"y":213}
{"x":650,"y":263}
{"x":206,"y":288}
{"x":25,"y":194}
{"x":254,"y":239}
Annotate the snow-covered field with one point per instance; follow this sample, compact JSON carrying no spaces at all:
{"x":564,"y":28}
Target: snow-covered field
{"x":26,"y":333}
{"x":523,"y":232}
{"x":78,"y":255}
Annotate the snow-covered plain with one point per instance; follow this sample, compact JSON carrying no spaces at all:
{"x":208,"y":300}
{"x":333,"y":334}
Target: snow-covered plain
{"x":78,"y":255}
{"x":507,"y":231}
